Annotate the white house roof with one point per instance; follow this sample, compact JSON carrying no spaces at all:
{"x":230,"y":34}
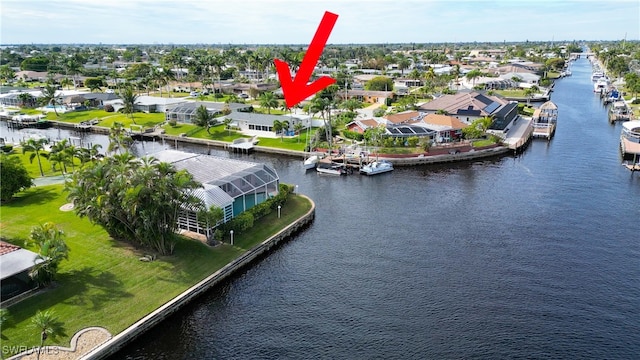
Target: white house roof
{"x":16,"y":262}
{"x":154,"y":100}
{"x":213,"y":195}
{"x":235,"y":177}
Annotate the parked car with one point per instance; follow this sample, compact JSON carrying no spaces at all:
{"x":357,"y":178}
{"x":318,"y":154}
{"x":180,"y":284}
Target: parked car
{"x":243,"y":96}
{"x":193,"y":93}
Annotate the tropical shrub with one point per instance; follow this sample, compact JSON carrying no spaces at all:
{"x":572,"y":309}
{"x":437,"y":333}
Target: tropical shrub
{"x":109,"y":108}
{"x":14,"y":177}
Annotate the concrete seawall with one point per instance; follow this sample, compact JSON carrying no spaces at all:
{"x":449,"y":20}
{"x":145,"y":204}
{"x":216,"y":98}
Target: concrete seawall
{"x":397,"y":161}
{"x":125,"y":337}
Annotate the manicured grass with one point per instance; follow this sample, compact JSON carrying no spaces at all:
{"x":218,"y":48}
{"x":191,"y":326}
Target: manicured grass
{"x":140,"y":118}
{"x":27,"y":111}
{"x":102,"y":277}
{"x":294,"y":143}
{"x":32,"y":167}
{"x":260,"y":110}
{"x":481,"y":143}
{"x":78,"y":116}
{"x":553,"y":75}
{"x":511,"y":93}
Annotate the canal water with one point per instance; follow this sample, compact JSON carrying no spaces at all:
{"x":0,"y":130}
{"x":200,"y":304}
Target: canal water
{"x":528,"y":256}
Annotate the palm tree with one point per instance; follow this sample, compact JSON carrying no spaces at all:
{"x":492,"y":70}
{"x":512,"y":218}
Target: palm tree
{"x":49,"y":96}
{"x":26,"y":100}
{"x":59,"y":155}
{"x":89,"y":154}
{"x":298,"y":128}
{"x":280,"y":127}
{"x":129,"y":99}
{"x":37,"y":148}
{"x":51,"y":251}
{"x":227,"y":124}
{"x":66,"y":82}
{"x":268,"y":100}
{"x":119,"y":139}
{"x":473,"y":75}
{"x":202,"y":116}
{"x":47,"y":325}
{"x":73,"y":66}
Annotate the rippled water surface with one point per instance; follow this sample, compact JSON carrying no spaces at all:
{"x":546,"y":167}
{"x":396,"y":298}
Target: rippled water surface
{"x":534,"y":256}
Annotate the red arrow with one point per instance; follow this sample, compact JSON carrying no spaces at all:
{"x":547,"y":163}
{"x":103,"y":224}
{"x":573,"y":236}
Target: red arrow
{"x":297,"y":90}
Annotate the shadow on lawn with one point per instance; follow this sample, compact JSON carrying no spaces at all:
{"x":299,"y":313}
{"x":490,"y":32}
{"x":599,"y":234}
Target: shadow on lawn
{"x":40,"y":197}
{"x":91,"y":288}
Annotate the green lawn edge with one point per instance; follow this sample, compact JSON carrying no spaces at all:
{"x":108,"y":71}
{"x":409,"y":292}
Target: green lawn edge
{"x":102,"y":276}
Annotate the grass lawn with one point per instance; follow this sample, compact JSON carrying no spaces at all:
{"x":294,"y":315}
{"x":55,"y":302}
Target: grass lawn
{"x":102,"y":276}
{"x":511,"y":93}
{"x":77,"y":117}
{"x":485,"y":142}
{"x":34,"y":169}
{"x":140,"y":118}
{"x":294,"y":143}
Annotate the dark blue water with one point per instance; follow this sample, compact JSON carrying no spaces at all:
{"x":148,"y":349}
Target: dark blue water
{"x":535,"y":256}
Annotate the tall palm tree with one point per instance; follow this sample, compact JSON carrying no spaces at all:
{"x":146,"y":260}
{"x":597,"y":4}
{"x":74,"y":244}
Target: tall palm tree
{"x":59,"y":155}
{"x":298,"y":128}
{"x":47,"y":324}
{"x":129,"y":100}
{"x":89,"y":154}
{"x":66,"y":82}
{"x":119,"y":139}
{"x":268,"y":100}
{"x":49,"y":96}
{"x":37,"y":149}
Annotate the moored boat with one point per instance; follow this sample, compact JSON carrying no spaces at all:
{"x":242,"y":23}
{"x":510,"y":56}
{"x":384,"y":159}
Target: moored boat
{"x":544,"y":120}
{"x":630,"y":139}
{"x":376,"y":167}
{"x":330,"y":168}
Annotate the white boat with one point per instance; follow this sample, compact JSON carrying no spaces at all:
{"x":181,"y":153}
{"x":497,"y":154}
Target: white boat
{"x":311,"y":162}
{"x":601,"y":85}
{"x":597,"y":75}
{"x":330,"y":168}
{"x":630,"y":139}
{"x":544,"y":120}
{"x":376,"y":167}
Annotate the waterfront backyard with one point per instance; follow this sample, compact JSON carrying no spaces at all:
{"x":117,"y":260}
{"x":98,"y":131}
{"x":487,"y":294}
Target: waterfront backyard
{"x":103,"y":276}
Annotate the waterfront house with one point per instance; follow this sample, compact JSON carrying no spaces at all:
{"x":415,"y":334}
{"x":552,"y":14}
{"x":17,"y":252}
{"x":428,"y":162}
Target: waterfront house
{"x":262,"y":124}
{"x":465,"y":106}
{"x":15,"y":263}
{"x":185,"y":111}
{"x":503,"y":119}
{"x":447,"y":128}
{"x":233,"y":185}
{"x":360,"y":126}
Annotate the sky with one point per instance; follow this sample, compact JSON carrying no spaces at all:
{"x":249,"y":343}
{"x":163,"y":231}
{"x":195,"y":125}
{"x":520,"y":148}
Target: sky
{"x":295,"y":22}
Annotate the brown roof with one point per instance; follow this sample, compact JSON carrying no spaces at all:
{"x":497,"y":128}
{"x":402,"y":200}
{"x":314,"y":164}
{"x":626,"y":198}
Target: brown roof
{"x":403,"y":117}
{"x":460,"y":101}
{"x":443,"y":120}
{"x":6,"y":248}
{"x":369,"y":122}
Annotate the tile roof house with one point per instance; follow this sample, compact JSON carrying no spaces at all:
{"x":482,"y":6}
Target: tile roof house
{"x":367,"y":96}
{"x":360,"y":126}
{"x":466,"y":106}
{"x":403,"y":117}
